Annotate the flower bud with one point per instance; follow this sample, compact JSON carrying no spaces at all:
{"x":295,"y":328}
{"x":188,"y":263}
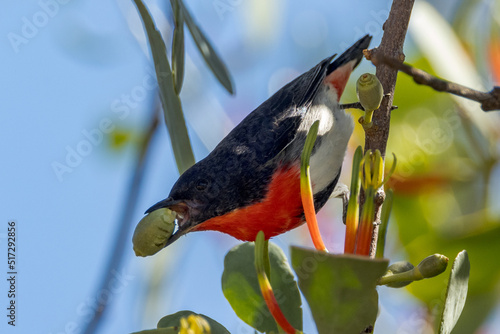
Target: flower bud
{"x":398,"y":268}
{"x":432,"y":265}
{"x":373,"y":170}
{"x":153,"y":231}
{"x":370,"y":91}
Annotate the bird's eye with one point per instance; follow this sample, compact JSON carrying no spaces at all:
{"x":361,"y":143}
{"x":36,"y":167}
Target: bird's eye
{"x":201,"y":185}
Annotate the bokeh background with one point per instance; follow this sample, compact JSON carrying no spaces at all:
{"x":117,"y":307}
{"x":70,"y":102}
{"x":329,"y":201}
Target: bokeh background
{"x":78,"y":97}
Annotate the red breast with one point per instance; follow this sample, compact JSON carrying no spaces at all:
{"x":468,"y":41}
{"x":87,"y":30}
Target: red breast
{"x":280,"y":211}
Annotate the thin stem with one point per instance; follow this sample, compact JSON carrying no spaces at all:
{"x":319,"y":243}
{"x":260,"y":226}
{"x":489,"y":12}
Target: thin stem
{"x":355,"y":105}
{"x":407,"y":276}
{"x":488,"y":100}
{"x":121,"y":240}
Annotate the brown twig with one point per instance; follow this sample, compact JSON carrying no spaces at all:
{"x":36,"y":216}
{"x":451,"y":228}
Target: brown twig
{"x":355,"y":105}
{"x":488,"y":100}
{"x":376,"y":137}
{"x":379,"y":201}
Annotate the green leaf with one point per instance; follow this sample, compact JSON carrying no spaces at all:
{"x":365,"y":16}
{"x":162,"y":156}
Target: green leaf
{"x":171,"y":103}
{"x":241,"y":287}
{"x":173,"y":320}
{"x":340,"y":289}
{"x":178,"y":47}
{"x":207,"y":51}
{"x":479,"y":234}
{"x":456,"y":293}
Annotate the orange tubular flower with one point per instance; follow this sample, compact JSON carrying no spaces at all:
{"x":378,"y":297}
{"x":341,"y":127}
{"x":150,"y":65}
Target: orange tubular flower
{"x":266,"y":289}
{"x":306,"y":193}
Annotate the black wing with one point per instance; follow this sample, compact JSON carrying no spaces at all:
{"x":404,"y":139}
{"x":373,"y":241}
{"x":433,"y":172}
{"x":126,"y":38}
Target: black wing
{"x":239,"y":169}
{"x":273,"y":125}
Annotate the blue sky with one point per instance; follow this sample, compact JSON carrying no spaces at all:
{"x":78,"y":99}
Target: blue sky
{"x":65,"y":67}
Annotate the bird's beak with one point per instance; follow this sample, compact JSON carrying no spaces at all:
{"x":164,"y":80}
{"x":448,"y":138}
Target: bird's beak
{"x":183,"y":211}
{"x":169,"y":203}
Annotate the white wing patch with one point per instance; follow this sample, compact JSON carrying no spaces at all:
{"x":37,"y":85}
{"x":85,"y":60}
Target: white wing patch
{"x":336,"y":128}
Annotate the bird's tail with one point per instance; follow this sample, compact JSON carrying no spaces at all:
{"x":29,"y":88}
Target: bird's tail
{"x":340,"y":69}
{"x":355,"y":52}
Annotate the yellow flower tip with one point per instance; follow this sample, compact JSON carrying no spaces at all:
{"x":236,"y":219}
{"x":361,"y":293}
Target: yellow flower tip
{"x":391,"y":171}
{"x":184,"y":326}
{"x":194,"y":324}
{"x":374,"y":169}
{"x":378,"y":168}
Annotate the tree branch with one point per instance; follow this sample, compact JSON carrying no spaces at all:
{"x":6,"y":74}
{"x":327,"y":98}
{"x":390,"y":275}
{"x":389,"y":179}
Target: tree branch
{"x":489,"y":100}
{"x":395,"y":29}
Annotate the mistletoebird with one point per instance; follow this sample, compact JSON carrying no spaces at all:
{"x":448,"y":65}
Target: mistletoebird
{"x":251,"y":180}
